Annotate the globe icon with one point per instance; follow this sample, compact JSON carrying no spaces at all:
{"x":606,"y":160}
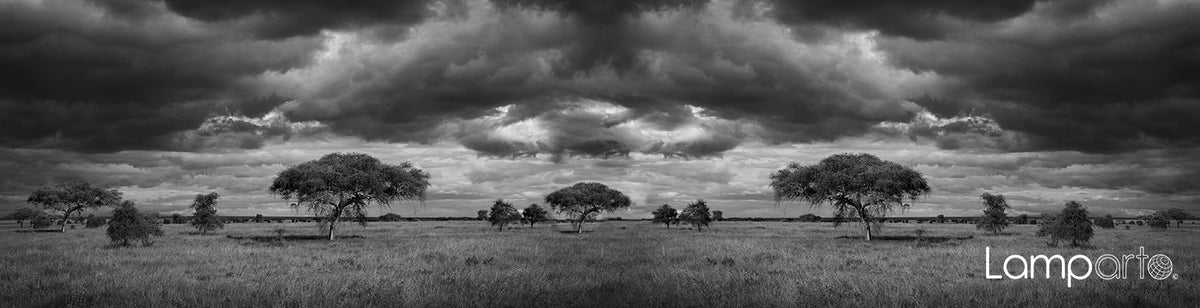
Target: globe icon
{"x":1159,"y":267}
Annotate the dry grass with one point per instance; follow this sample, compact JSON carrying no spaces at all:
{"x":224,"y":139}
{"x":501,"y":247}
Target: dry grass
{"x":620,"y":264}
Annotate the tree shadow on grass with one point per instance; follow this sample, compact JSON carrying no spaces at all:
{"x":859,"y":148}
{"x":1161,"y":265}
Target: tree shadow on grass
{"x":909,"y":238}
{"x":38,"y":231}
{"x":275,"y":238}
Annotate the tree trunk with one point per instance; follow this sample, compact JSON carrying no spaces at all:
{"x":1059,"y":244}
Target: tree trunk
{"x":868,"y":231}
{"x":66,"y":215}
{"x":332,"y":224}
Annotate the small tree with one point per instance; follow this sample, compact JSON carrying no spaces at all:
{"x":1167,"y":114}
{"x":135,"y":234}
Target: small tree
{"x":1176,"y":214}
{"x":993,"y":220}
{"x":1071,"y":224}
{"x":481,"y":215}
{"x":258,"y":218}
{"x":503,"y":213}
{"x":23,"y":214}
{"x":718,"y":215}
{"x":1158,"y":221}
{"x":582,"y":200}
{"x":696,"y":214}
{"x":346,"y":183}
{"x":205,"y":219}
{"x":941,"y":219}
{"x":128,"y":224}
{"x":859,"y":185}
{"x":177,"y":219}
{"x":1022,"y":219}
{"x":73,"y":197}
{"x":390,"y":217}
{"x":1105,"y":222}
{"x":665,"y":214}
{"x":535,"y":214}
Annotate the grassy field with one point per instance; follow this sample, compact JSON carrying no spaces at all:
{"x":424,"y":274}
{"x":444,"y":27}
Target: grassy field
{"x":628,"y":263}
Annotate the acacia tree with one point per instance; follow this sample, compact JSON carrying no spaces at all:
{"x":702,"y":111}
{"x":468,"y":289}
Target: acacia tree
{"x":584,"y":199}
{"x":73,"y":197}
{"x":503,"y":213}
{"x":665,"y":214}
{"x":859,"y":185}
{"x":1176,"y":214}
{"x":23,"y":214}
{"x":696,"y":214}
{"x":534,"y":214}
{"x":993,"y":220}
{"x":340,"y":184}
{"x":205,"y":218}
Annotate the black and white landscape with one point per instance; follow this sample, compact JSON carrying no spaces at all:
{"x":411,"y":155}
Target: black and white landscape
{"x":679,"y":153}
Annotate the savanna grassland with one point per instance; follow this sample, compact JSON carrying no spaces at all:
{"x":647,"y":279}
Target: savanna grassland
{"x":630,"y":263}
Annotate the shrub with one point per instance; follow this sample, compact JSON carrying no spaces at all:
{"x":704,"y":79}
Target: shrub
{"x":128,"y":224}
{"x":1105,"y":222}
{"x":809,"y":218}
{"x":390,"y":217}
{"x":1071,"y":224}
{"x":93,"y":222}
{"x":41,"y":220}
{"x":1021,"y":219}
{"x":1158,"y":221}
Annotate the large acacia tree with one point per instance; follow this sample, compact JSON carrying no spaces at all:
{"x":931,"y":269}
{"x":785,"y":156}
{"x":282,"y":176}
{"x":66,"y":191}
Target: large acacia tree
{"x":859,"y":185}
{"x":73,"y":197}
{"x":587,"y":198}
{"x":344,"y":184}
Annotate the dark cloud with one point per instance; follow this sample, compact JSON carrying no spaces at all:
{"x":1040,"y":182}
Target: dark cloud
{"x":124,"y":75}
{"x":278,"y":19}
{"x":922,"y":19}
{"x":1073,"y":76}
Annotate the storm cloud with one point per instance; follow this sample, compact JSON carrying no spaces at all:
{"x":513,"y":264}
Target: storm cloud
{"x":1096,"y":95}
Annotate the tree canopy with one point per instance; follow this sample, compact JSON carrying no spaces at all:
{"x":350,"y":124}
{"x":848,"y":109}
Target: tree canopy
{"x":993,"y":220}
{"x":664,"y":214}
{"x":73,"y":197}
{"x":502,"y":213}
{"x":534,"y":214}
{"x":586,"y":198}
{"x":340,"y":184}
{"x":859,"y":185}
{"x":1176,"y":214}
{"x":696,"y":214}
{"x":205,"y":218}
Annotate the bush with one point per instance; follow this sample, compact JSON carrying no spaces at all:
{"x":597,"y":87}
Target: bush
{"x":128,"y":224}
{"x":93,"y":222}
{"x":41,"y":220}
{"x":390,"y":217}
{"x":1105,"y":222}
{"x":809,"y":218}
{"x":1158,"y":221}
{"x":1071,"y":224}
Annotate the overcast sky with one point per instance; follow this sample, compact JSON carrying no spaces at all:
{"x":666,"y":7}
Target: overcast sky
{"x":668,"y":101}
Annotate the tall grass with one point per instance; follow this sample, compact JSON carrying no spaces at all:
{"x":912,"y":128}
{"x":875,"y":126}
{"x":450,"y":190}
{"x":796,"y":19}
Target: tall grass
{"x":619,"y":264}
